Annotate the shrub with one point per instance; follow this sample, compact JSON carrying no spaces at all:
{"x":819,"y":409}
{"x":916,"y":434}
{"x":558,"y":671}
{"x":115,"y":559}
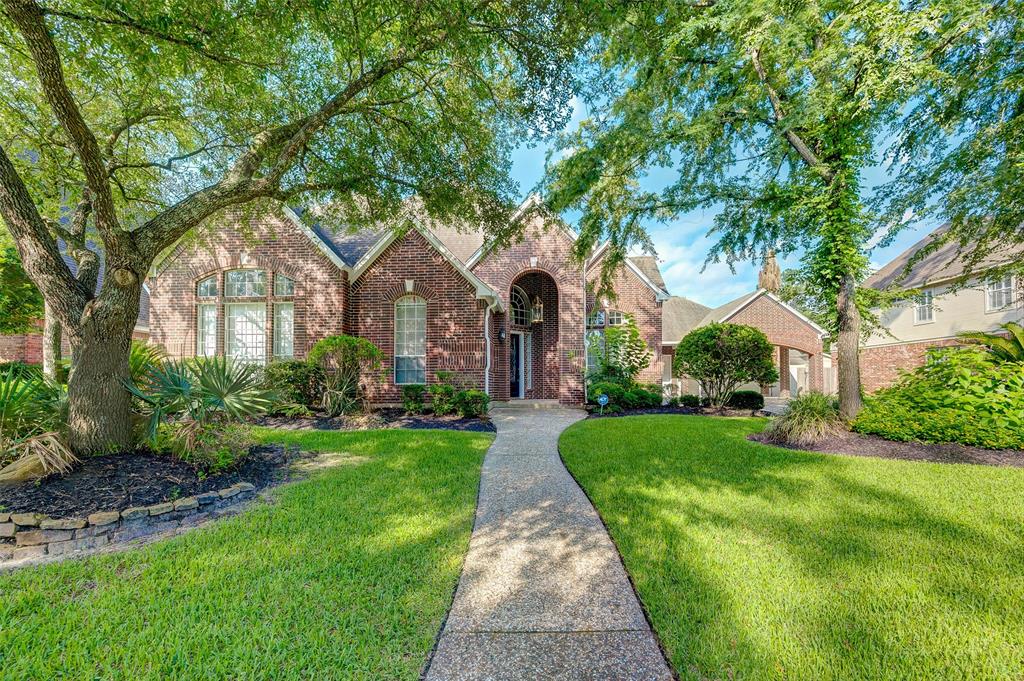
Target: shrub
{"x":808,"y":419}
{"x":614,"y":391}
{"x":722,"y":357}
{"x":201,"y":393}
{"x":412,"y":398}
{"x":1002,"y":348}
{"x":960,"y":395}
{"x":210,"y":448}
{"x":746,"y":399}
{"x":442,"y":398}
{"x":625,"y":352}
{"x":143,"y":357}
{"x":296,"y":383}
{"x":638,"y":398}
{"x":21,"y":369}
{"x":345,"y":360}
{"x":32,"y":417}
{"x":690,"y":401}
{"x":472,"y":403}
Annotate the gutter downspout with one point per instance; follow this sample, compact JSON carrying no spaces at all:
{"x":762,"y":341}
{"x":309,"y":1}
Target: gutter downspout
{"x":487,"y":353}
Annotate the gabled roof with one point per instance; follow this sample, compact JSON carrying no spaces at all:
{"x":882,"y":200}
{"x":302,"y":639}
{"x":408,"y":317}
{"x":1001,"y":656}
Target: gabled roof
{"x":641,"y":265}
{"x":533,"y":202}
{"x":943,"y":264}
{"x":680,"y":315}
{"x":648,"y":265}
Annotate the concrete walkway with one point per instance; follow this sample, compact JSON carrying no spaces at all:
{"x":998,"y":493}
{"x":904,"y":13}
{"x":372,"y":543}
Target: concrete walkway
{"x":543,"y":594}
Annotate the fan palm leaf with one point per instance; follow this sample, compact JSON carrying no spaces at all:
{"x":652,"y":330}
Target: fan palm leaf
{"x":1004,"y":348}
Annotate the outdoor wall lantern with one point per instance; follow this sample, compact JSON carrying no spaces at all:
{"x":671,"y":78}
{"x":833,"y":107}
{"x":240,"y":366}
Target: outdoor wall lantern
{"x":538,"y":310}
{"x":501,"y":335}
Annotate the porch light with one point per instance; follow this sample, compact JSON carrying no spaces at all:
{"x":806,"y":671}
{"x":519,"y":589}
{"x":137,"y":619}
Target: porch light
{"x":537,"y":310}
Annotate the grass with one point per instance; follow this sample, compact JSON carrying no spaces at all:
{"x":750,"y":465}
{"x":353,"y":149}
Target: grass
{"x":348,"y":575}
{"x":756,"y":562}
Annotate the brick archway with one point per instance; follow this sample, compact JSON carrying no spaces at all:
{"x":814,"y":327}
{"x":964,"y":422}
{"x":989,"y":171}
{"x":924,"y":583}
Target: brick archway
{"x":534,"y":368}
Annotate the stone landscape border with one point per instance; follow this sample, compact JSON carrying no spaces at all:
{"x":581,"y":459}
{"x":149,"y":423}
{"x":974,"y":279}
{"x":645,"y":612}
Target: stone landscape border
{"x":28,"y":536}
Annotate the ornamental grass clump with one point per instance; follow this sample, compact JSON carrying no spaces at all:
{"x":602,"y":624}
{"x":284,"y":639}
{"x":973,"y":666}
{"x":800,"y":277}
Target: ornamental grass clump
{"x":810,"y":418}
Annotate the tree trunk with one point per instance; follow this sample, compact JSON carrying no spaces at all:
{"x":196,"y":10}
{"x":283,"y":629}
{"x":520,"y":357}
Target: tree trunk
{"x":99,"y":405}
{"x":51,"y":343}
{"x":848,"y":350}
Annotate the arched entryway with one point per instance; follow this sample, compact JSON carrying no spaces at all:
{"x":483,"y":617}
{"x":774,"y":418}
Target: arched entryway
{"x":533,"y":361}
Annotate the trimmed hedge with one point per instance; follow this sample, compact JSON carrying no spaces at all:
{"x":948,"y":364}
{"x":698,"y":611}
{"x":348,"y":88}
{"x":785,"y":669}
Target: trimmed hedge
{"x":746,"y":399}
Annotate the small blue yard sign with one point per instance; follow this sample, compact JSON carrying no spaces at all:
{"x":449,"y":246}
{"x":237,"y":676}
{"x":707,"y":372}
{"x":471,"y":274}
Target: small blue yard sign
{"x":602,"y":400}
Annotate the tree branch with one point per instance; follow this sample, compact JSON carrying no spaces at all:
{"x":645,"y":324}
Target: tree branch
{"x":794,"y":139}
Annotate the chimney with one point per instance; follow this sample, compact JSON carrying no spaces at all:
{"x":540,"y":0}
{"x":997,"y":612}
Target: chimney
{"x":770,"y":277}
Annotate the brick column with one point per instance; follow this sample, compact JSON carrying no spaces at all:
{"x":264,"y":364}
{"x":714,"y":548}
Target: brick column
{"x":816,"y":368}
{"x":784,"y":390}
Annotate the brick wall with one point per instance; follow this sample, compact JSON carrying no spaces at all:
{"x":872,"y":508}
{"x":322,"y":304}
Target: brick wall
{"x":26,"y":348}
{"x":270,"y":242}
{"x":881,"y":365}
{"x":455,"y":318}
{"x":544,"y":248}
{"x":633,"y":297}
{"x":786,"y":330}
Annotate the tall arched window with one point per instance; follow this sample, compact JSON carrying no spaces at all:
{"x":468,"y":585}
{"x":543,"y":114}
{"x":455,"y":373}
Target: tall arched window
{"x":520,"y":307}
{"x":410,"y":340}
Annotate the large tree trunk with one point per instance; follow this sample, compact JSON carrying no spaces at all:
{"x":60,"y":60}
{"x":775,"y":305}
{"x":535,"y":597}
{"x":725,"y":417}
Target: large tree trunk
{"x":848,"y":350}
{"x":99,"y":405}
{"x":51,"y":343}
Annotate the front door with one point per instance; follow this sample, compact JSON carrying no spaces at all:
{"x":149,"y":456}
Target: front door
{"x":515,"y":359}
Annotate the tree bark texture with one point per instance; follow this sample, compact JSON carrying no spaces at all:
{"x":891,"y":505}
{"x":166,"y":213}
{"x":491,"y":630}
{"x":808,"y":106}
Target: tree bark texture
{"x":52,"y":339}
{"x":848,"y":350}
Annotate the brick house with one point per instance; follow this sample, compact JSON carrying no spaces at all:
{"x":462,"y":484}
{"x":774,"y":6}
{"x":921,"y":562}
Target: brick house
{"x":948,"y":301}
{"x":512,"y":321}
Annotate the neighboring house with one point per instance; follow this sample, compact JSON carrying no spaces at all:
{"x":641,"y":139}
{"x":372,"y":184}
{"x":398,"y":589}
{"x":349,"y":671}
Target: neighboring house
{"x":948,"y":303}
{"x":28,"y":347}
{"x":799,"y":354}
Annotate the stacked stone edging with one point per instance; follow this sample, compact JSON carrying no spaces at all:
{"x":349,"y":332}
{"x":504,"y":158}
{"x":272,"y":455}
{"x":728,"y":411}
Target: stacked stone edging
{"x":25,"y":536}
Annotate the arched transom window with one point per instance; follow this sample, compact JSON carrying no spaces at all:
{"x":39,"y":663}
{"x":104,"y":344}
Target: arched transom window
{"x":410,"y":340}
{"x":520,"y":305}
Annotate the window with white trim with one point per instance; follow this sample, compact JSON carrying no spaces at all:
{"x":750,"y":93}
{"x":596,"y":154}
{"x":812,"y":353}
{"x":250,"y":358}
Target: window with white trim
{"x":245,"y":332}
{"x":206,"y":330}
{"x":616,"y":318}
{"x":207,"y":288}
{"x":410,"y":340}
{"x":924,"y":307}
{"x":999,"y":294}
{"x":596,"y":319}
{"x":283,"y":286}
{"x":245,"y":284}
{"x":520,"y":307}
{"x":284,"y":330}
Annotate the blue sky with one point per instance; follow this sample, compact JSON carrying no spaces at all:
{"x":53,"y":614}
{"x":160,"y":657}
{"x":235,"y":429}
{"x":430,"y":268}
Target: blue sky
{"x":683,"y":244}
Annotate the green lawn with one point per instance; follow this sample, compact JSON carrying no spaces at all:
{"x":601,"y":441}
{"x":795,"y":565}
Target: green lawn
{"x":348,"y":575}
{"x":756,"y":562}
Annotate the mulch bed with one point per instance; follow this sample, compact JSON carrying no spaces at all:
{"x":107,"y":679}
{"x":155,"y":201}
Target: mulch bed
{"x":119,"y":481}
{"x":380,"y":418}
{"x":856,"y":444}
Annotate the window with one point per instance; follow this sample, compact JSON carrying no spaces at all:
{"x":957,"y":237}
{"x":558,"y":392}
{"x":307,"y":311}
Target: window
{"x":245,"y":284}
{"x":999,"y":294}
{"x":924,"y":309}
{"x":283,"y":286}
{"x":595,"y":349}
{"x":616,"y":318}
{"x":207,"y":288}
{"x":284,"y":330}
{"x":206,"y":330}
{"x":410,"y":340}
{"x":528,"y":359}
{"x":245,"y":333}
{"x":596,"y":318}
{"x":520,"y":307}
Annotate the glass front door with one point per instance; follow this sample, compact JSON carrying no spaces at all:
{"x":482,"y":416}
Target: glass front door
{"x":515,"y":360}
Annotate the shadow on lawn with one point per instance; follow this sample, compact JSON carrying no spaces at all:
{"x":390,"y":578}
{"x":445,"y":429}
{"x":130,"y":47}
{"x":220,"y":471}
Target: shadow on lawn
{"x":763,"y":562}
{"x":349,"y":573}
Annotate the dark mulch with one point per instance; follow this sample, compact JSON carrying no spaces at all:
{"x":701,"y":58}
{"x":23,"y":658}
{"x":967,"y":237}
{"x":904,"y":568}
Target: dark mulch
{"x":380,"y":418}
{"x":856,"y":444}
{"x":119,"y":481}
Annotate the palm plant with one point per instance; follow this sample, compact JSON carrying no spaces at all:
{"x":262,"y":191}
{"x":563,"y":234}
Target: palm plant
{"x":142,"y":358}
{"x":201,"y":391}
{"x":32,"y":416}
{"x":1008,"y":348}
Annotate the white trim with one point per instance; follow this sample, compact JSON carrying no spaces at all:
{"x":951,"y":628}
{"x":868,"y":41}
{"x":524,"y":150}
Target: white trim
{"x":987,"y":291}
{"x":532,"y":201}
{"x":522,"y":365}
{"x":487,"y":350}
{"x":315,"y":238}
{"x":482,"y":290}
{"x":765,"y":292}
